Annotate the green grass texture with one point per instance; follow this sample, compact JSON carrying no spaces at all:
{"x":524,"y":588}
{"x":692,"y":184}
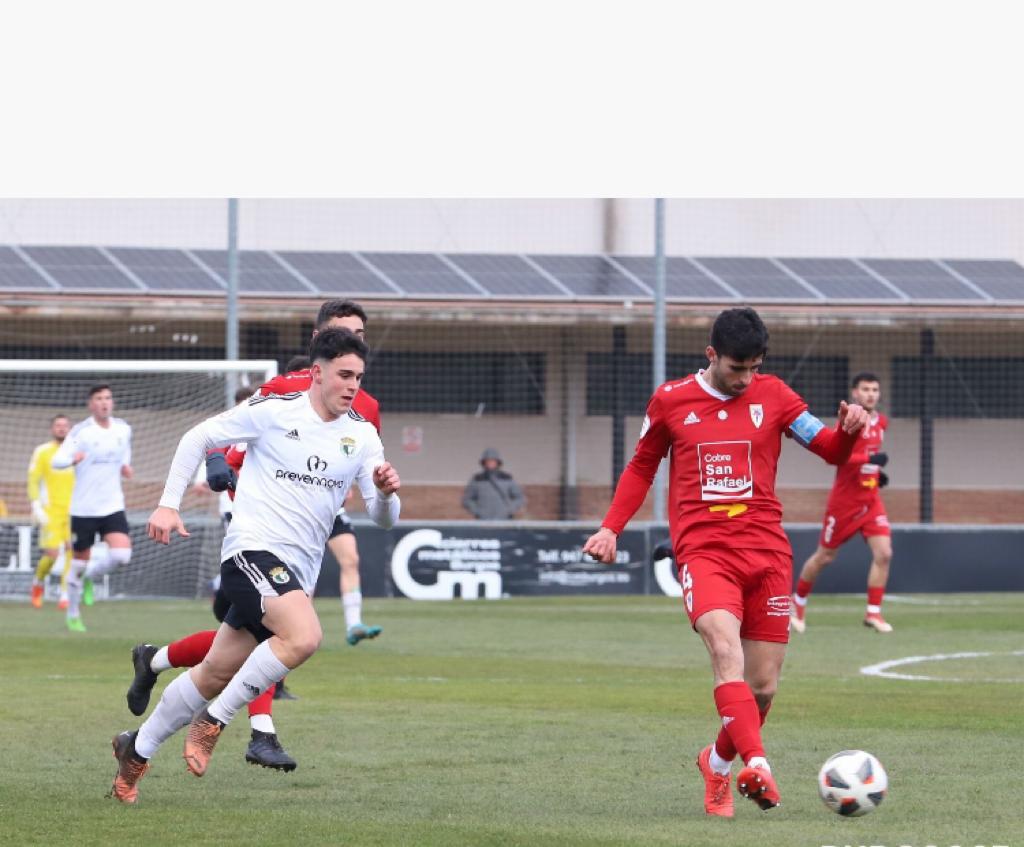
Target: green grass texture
{"x":547,"y":721}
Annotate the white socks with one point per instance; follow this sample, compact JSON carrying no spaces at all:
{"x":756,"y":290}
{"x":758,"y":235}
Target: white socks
{"x":160,"y":661}
{"x":718,"y":764}
{"x":104,"y":564}
{"x":261,"y":670}
{"x":800,"y":601}
{"x":759,"y":762}
{"x":352,"y":603}
{"x":78,"y":567}
{"x":180,"y":701}
{"x":262,"y":723}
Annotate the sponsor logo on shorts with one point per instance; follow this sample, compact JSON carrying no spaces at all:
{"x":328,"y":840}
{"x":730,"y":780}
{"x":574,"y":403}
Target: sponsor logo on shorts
{"x":279,"y":575}
{"x":252,"y":689}
{"x":778,"y":606}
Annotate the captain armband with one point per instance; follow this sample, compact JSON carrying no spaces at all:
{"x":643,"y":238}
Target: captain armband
{"x":805,"y":427}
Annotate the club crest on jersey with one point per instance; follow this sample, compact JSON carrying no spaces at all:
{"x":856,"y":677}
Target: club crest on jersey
{"x":280,"y":575}
{"x":348,"y":446}
{"x":756,"y":414}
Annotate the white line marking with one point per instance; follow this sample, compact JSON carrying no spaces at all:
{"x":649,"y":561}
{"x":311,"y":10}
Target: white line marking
{"x":881,"y":669}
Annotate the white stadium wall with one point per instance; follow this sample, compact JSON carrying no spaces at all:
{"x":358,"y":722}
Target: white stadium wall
{"x":959,"y":228}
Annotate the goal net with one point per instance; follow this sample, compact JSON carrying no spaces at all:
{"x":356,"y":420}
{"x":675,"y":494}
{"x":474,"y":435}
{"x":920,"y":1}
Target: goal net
{"x":160,"y":400}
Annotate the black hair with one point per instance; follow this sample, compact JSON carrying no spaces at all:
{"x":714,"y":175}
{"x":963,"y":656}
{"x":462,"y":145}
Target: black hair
{"x":864,"y":376}
{"x":96,"y":389}
{"x":739,"y":334}
{"x":297,"y":363}
{"x":335,"y":342}
{"x":243,"y":393}
{"x":338,"y":309}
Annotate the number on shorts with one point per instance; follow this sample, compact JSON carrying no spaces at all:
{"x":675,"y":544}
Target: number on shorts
{"x":830,"y":525}
{"x":687,"y":583}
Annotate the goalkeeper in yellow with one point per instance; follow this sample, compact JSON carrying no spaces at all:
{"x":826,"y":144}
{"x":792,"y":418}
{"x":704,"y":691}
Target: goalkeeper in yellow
{"x":49,"y":492}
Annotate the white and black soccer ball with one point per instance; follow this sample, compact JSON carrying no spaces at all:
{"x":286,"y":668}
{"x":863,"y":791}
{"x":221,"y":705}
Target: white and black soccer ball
{"x":852,"y":783}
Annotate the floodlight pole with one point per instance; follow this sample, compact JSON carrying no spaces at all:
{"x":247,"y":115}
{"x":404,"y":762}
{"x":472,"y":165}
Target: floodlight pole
{"x":231,"y":330}
{"x":658,"y":359}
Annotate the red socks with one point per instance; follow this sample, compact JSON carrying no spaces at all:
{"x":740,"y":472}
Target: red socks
{"x":803,"y":587}
{"x":875,"y":595}
{"x":264,"y":704}
{"x":190,"y":650}
{"x":743,"y":732}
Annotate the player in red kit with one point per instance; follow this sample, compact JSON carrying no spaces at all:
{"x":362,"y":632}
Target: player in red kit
{"x":722,"y":428}
{"x":149,"y":661}
{"x":855,"y":505}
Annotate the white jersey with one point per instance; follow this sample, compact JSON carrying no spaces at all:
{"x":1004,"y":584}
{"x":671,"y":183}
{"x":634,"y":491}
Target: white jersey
{"x":107,"y":449}
{"x":298,"y":469}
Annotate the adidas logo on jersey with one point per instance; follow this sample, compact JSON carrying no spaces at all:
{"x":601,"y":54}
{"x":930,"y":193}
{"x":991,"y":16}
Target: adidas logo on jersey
{"x":294,"y":434}
{"x":691,"y":419}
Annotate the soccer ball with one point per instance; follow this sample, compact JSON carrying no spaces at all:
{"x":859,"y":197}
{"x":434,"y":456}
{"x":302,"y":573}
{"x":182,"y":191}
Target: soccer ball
{"x":852,"y":783}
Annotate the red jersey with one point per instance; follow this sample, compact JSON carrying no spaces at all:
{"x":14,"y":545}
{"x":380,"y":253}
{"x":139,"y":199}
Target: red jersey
{"x":364,"y":405}
{"x":724,"y":453}
{"x":857,"y":480}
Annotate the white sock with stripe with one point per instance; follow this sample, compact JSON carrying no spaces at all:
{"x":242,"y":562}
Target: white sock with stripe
{"x":261,"y":670}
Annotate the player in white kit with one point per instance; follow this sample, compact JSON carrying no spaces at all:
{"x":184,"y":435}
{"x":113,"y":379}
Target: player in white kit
{"x":100,"y":450}
{"x":304,"y":451}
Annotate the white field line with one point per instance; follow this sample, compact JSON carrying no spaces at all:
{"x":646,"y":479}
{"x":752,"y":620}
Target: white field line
{"x":882,"y":668}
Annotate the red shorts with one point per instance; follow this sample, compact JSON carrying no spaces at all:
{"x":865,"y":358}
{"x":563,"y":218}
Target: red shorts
{"x":840,"y":525}
{"x":753,"y":585}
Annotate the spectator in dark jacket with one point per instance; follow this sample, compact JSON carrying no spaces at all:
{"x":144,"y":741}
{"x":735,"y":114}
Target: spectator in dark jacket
{"x":492,"y":494}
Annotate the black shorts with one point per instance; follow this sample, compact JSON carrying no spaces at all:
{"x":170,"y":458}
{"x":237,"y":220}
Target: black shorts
{"x":342,"y":526}
{"x":85,"y":530}
{"x":247,"y":578}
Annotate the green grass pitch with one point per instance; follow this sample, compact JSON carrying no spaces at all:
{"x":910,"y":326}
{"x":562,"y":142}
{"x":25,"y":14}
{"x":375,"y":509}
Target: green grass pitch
{"x":555,"y":721}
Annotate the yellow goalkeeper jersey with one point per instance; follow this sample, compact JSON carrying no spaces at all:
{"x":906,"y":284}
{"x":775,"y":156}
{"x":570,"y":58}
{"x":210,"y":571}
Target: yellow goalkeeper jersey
{"x":51,"y":487}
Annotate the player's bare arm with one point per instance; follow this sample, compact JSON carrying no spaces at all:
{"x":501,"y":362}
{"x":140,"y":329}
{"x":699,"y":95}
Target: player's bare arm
{"x":602,"y":546}
{"x":127,"y":472}
{"x":163,"y":522}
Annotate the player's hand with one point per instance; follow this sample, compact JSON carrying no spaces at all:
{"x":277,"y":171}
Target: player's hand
{"x":602,"y":546}
{"x":126,"y":471}
{"x":162,"y":523}
{"x":39,"y":514}
{"x":219,"y":475}
{"x":852,"y":418}
{"x":78,"y":458}
{"x":386,"y":479}
{"x":880,"y":459}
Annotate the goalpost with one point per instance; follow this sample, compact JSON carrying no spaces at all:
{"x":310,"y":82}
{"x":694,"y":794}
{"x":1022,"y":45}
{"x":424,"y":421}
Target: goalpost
{"x":160,"y":400}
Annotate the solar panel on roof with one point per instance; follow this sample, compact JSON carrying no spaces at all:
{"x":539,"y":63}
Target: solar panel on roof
{"x":590,"y":276}
{"x":15,"y":272}
{"x":166,"y":270}
{"x":757,"y":279}
{"x":421,"y":273}
{"x":999,"y":279}
{"x":336,"y":273}
{"x":506,"y":276}
{"x":840,"y":279}
{"x":922,"y":279}
{"x":258,"y":272}
{"x":682,"y":277}
{"x":81,"y":268}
